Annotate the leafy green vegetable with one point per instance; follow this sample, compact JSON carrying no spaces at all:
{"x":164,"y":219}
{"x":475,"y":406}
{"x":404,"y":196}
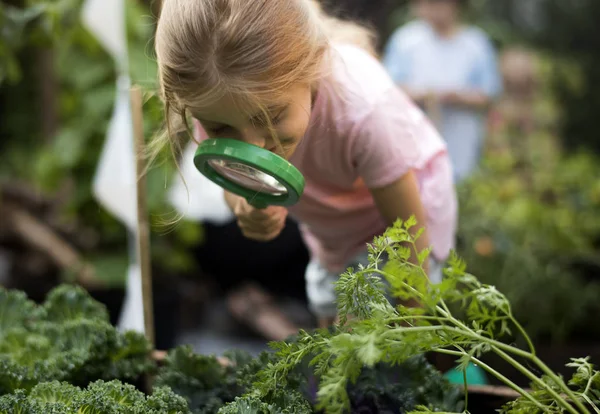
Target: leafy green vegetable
{"x":128,"y":358}
{"x":16,"y":310}
{"x":210,"y":387}
{"x":202,"y":380}
{"x":283,"y":402}
{"x":67,"y":338}
{"x":71,"y":302}
{"x":381,"y":333}
{"x":387,"y":389}
{"x":99,"y":398}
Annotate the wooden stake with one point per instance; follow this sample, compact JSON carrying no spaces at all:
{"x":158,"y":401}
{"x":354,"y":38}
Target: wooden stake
{"x":143,"y":234}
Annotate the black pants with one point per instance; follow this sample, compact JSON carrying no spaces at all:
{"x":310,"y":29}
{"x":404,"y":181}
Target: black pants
{"x":278,"y":266}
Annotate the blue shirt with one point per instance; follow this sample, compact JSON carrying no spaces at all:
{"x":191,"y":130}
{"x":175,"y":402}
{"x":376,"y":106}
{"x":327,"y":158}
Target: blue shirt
{"x":418,"y":58}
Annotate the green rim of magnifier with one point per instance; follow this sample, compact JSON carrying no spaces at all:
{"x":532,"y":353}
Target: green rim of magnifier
{"x":256,"y":157}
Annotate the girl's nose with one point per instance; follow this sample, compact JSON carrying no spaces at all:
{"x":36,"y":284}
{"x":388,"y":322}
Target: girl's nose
{"x":254,"y":136}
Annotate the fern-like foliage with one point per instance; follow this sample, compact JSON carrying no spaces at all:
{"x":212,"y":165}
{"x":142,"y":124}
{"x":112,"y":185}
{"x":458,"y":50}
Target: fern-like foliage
{"x":375,"y":331}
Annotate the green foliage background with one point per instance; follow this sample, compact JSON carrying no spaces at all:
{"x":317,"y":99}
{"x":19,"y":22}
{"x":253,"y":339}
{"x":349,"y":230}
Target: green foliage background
{"x":572,"y":33}
{"x":528,"y":219}
{"x":86,"y":78}
{"x":539,"y":211}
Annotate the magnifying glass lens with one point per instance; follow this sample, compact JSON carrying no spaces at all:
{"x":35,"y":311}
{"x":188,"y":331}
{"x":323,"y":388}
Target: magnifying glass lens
{"x":248,"y":177}
{"x":249,"y":171}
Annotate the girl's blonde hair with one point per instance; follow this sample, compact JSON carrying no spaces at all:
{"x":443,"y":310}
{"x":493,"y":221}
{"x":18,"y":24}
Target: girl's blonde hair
{"x":250,"y":49}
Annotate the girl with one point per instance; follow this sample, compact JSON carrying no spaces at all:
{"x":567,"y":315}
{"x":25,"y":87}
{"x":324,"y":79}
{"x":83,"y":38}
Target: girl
{"x":282,"y":75}
{"x":458,"y":96}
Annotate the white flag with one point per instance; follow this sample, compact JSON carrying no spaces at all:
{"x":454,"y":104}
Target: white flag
{"x":115,"y":180}
{"x":106,"y":20}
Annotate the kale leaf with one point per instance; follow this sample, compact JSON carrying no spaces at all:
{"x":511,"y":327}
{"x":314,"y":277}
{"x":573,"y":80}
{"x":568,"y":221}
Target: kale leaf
{"x":67,"y":338}
{"x":100,"y":397}
{"x":202,"y":380}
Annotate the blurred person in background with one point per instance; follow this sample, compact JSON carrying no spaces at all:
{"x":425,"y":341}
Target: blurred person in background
{"x":451,"y":70}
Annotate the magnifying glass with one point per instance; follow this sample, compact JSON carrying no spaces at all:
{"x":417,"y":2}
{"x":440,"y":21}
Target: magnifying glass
{"x":261,"y":177}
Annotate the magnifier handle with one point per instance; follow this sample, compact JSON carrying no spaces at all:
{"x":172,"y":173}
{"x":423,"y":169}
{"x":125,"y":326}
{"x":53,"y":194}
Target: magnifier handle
{"x":257,"y":204}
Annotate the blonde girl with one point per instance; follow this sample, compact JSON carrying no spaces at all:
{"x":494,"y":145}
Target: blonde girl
{"x":282,"y":75}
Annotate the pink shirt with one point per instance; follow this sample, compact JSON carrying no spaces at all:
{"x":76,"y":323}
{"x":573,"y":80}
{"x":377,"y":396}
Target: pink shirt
{"x":365,"y":133}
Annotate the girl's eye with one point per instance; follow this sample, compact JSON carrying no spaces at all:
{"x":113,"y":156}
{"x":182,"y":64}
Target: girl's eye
{"x":219,"y":131}
{"x":274,"y":120}
{"x":279,"y":117}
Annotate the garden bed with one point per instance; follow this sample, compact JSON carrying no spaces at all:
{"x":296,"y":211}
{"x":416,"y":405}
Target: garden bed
{"x":189,"y":374}
{"x":374,"y":362}
{"x":483,"y":399}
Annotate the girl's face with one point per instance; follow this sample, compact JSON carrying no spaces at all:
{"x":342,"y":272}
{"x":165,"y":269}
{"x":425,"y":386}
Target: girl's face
{"x":439,"y":13}
{"x":289,"y":117}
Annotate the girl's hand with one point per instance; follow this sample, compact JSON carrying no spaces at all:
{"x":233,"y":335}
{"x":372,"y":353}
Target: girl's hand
{"x":259,"y":224}
{"x":469,"y":99}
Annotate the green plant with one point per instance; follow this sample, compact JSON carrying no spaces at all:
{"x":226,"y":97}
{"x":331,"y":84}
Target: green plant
{"x":37,"y":22}
{"x":84,"y":78}
{"x":529,"y":217}
{"x":570,"y":32}
{"x":205,"y":383}
{"x":531,"y":228}
{"x":386,"y":388}
{"x":283,"y":402}
{"x":210,"y":387}
{"x":67,"y":338}
{"x":381,"y":333}
{"x":99,"y":398}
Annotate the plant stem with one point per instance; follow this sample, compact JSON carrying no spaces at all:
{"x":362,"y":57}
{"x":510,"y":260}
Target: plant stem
{"x":587,"y":389}
{"x":590,"y":382}
{"x":496,"y":374}
{"x":532,"y":377}
{"x":522,"y":331}
{"x":416,"y":317}
{"x":591,"y":403}
{"x":387,"y":275}
{"x":499,"y":348}
{"x":463,"y":330}
{"x":414,"y":329}
{"x":469,"y":332}
{"x":557,"y":380}
{"x":445,"y":307}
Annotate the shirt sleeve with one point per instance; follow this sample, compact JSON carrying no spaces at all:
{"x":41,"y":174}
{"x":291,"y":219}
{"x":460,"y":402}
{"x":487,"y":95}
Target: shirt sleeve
{"x":385,"y":145}
{"x":486,"y":74}
{"x":396,"y":58}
